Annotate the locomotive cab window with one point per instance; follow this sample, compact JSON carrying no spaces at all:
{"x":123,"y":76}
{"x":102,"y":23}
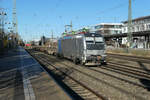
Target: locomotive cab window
{"x":94,"y":43}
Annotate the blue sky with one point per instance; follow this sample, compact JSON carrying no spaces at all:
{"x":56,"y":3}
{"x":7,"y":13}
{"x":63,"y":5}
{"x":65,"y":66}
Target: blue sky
{"x":40,"y":17}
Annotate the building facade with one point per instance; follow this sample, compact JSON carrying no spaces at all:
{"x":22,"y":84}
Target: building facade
{"x":140,"y":30}
{"x":138,"y":25}
{"x":109,"y":28}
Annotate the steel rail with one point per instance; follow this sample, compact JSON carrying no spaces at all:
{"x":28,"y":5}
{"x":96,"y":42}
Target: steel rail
{"x":42,"y":59}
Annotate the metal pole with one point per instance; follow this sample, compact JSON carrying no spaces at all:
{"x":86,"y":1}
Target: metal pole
{"x":71,"y":26}
{"x":2,"y":34}
{"x":15,"y":24}
{"x":129,"y":25}
{"x":52,"y":35}
{"x":52,"y":40}
{"x":1,"y":41}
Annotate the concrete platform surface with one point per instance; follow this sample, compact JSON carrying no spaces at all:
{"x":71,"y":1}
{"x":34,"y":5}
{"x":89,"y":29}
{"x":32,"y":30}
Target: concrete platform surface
{"x":22,"y":78}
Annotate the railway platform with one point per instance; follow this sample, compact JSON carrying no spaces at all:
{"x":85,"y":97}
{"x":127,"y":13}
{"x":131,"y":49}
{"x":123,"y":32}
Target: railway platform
{"x":23,"y":78}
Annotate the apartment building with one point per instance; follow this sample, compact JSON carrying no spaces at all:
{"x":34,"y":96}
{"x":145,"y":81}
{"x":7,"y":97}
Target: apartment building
{"x":140,"y":27}
{"x":109,"y":28}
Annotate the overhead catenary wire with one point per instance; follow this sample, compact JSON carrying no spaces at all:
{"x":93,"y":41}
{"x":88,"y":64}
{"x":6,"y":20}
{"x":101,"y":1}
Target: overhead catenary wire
{"x":113,"y":8}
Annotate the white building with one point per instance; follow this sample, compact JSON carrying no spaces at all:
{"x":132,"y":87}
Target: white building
{"x":140,"y":31}
{"x":109,"y":28}
{"x":138,"y":24}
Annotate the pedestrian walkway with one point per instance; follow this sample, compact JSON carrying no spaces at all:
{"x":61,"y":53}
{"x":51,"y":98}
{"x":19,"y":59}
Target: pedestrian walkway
{"x":22,"y":78}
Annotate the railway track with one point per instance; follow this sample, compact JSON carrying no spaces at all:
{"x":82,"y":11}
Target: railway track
{"x":131,"y":58}
{"x":129,"y":71}
{"x":75,"y":68}
{"x":130,"y":66}
{"x":82,"y":90}
{"x":96,"y":79}
{"x":134,"y":72}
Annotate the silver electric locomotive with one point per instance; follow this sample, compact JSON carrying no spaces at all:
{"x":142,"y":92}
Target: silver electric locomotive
{"x":87,"y":49}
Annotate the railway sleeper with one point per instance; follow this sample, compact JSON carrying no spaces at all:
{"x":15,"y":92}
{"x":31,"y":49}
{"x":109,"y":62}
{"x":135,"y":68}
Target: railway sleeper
{"x":81,"y":90}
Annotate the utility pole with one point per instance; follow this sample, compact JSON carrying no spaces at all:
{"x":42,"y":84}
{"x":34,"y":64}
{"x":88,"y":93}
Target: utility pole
{"x":51,"y":40}
{"x":2,"y":30}
{"x":129,"y":25}
{"x":52,"y":35}
{"x":15,"y":22}
{"x":70,"y":26}
{"x":2,"y":21}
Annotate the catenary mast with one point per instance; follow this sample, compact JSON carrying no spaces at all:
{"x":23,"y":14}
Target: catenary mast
{"x":129,"y":25}
{"x":15,"y":22}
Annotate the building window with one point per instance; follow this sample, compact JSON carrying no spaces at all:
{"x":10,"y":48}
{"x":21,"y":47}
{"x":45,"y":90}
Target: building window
{"x":142,"y":21}
{"x":138,"y":29}
{"x":116,"y":32}
{"x":117,"y":26}
{"x":142,"y":28}
{"x":98,"y":26}
{"x":149,"y":26}
{"x":133,"y":29}
{"x":134,"y":22}
{"x":112,"y":32}
{"x":147,"y":20}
